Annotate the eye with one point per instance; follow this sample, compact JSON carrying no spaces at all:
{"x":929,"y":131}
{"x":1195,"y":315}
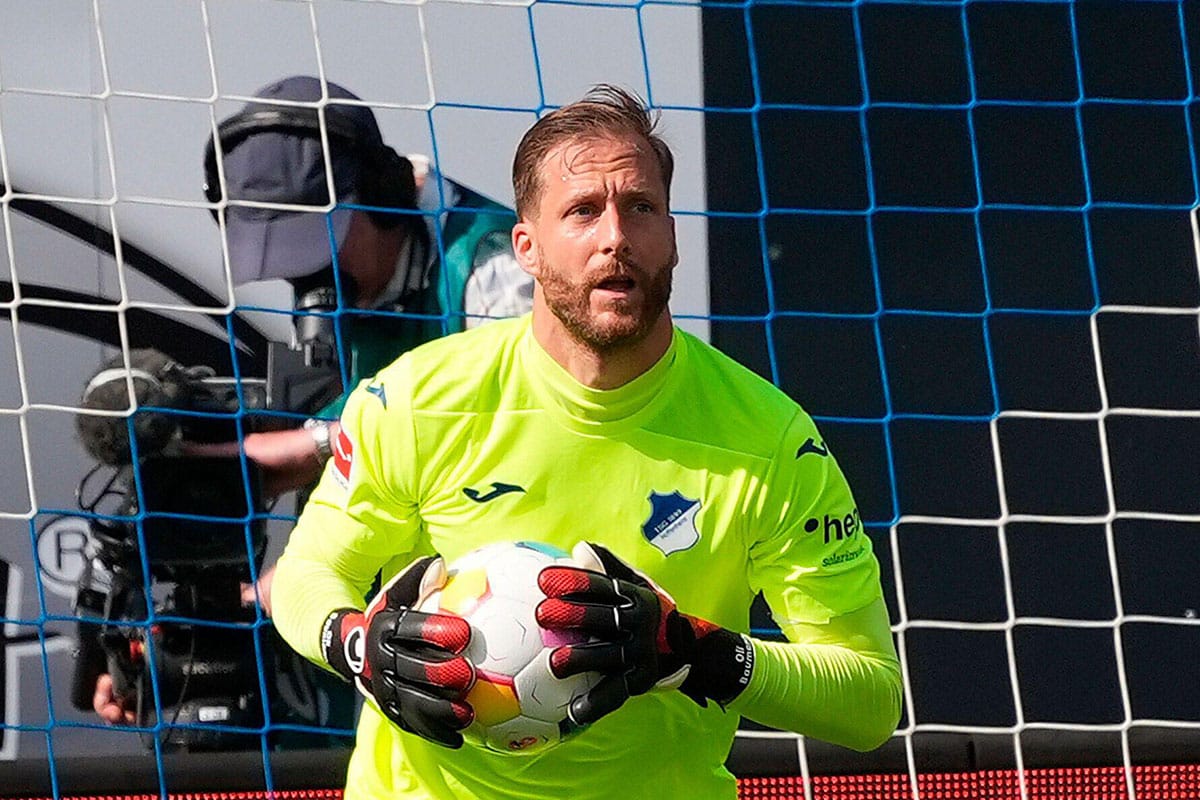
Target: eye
{"x":582,"y":210}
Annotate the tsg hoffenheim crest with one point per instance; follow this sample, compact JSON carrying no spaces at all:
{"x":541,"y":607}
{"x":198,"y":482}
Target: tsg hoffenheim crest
{"x":672,"y":523}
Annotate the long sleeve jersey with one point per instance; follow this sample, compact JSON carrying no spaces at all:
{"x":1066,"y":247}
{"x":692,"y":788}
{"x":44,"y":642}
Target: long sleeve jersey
{"x":698,"y":473}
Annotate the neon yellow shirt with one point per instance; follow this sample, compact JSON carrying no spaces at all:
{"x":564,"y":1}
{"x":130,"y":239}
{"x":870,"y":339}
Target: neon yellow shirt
{"x":698,"y":473}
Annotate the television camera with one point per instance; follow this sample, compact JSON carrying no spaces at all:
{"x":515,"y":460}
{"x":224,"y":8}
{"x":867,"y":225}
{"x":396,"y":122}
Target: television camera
{"x":172,"y":539}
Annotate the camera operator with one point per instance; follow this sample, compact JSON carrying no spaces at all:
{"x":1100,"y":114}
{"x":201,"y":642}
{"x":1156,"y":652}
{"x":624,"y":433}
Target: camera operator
{"x":404,"y":256}
{"x":417,"y":256}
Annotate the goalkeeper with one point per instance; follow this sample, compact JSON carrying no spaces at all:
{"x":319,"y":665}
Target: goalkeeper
{"x":685,"y":483}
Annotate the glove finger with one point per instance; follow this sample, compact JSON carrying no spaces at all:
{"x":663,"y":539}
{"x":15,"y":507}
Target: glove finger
{"x":444,"y":632}
{"x":573,"y":659}
{"x":433,"y":579}
{"x":430,"y":717}
{"x":584,"y":555}
{"x":605,"y":697}
{"x":611,"y":565}
{"x":601,"y":621}
{"x":426,"y":649}
{"x":448,"y":678}
{"x":616,"y":568}
{"x":405,"y":587}
{"x":579,"y":584}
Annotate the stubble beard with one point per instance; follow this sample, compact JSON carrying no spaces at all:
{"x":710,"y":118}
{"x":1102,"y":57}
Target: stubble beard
{"x":623,"y":323}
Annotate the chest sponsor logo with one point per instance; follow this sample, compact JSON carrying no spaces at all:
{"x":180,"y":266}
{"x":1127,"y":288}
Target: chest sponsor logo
{"x":836,"y":527}
{"x":497,"y":490}
{"x":672,"y":523}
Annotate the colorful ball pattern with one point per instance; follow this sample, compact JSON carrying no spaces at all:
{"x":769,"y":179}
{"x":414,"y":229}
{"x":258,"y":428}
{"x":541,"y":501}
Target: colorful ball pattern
{"x":520,"y":707}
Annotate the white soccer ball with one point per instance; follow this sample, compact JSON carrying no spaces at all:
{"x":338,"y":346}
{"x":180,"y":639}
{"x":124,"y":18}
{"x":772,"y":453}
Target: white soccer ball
{"x":520,"y":707}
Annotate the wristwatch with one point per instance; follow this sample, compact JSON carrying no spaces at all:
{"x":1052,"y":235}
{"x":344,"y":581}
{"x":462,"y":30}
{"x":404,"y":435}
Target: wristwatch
{"x":319,"y":429}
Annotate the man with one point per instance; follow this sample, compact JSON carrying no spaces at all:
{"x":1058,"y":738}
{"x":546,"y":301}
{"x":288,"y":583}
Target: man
{"x":404,"y":256}
{"x":683,"y":483}
{"x":410,"y":254}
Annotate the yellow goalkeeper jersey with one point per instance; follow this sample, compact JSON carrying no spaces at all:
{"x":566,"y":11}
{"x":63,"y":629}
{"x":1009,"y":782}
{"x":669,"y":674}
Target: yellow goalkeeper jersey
{"x":698,"y":473}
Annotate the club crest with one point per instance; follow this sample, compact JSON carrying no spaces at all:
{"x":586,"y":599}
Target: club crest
{"x":672,"y":523}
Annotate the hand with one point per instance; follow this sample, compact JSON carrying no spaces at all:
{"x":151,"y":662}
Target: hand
{"x":110,"y":708}
{"x":260,"y":591}
{"x":407,"y":663}
{"x":641,"y":640}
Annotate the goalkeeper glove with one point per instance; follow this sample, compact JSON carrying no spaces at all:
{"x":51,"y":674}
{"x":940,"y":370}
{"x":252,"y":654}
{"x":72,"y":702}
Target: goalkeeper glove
{"x":641,"y":641}
{"x":409,"y":664}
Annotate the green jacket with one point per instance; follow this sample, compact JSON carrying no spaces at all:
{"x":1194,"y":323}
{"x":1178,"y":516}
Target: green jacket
{"x":475,"y":230}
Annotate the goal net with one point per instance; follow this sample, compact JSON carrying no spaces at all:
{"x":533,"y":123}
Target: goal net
{"x":961,"y":233}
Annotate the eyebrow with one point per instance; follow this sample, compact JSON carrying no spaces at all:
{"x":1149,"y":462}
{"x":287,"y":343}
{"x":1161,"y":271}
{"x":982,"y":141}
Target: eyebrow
{"x":590,"y":192}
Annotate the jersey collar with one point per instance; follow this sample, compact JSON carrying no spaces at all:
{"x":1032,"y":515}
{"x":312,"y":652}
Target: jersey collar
{"x":602,"y":412}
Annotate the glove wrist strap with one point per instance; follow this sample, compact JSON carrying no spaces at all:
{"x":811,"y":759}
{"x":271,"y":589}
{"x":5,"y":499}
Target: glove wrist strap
{"x":333,"y":641}
{"x":722,"y":664}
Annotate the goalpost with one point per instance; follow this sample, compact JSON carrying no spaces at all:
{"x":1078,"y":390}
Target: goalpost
{"x":961,"y":233}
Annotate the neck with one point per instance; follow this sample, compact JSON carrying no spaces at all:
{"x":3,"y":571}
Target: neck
{"x":601,"y":368}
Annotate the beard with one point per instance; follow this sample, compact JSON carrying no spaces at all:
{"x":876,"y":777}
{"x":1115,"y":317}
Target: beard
{"x":624,"y":321}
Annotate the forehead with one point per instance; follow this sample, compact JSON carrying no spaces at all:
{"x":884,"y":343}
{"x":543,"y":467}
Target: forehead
{"x":600,"y":159}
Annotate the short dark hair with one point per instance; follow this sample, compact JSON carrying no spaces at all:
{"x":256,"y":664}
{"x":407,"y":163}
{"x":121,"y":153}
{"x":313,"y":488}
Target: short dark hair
{"x":604,"y":111}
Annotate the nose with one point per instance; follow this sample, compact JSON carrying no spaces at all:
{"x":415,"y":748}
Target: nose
{"x":613,"y":239}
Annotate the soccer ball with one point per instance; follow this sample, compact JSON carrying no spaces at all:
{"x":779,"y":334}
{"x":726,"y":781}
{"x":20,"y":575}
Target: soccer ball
{"x":520,"y":707}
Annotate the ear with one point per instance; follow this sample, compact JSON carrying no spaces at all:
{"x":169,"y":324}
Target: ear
{"x":524,"y":244}
{"x":674,"y":244}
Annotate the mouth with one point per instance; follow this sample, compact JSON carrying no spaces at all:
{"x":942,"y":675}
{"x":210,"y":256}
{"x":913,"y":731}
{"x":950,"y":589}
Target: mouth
{"x":617,"y":284}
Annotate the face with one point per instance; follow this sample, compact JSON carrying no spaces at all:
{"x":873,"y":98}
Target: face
{"x":368,"y":254}
{"x":601,"y":243}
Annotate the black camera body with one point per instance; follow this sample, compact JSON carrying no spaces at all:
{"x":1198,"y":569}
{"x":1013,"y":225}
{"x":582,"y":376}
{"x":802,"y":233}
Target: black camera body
{"x":173,"y":538}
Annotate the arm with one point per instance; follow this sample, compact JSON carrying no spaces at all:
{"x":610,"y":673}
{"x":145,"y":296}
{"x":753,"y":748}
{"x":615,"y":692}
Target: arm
{"x":315,"y":576}
{"x":358,"y":519}
{"x":289,"y":459}
{"x":407,"y":664}
{"x":837,"y":678}
{"x":839,"y":681}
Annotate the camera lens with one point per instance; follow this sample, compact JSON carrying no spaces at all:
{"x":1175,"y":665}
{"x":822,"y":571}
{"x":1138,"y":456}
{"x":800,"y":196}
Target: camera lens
{"x":315,"y":335}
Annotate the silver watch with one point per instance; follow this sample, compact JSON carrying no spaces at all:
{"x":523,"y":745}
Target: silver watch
{"x":319,"y":429}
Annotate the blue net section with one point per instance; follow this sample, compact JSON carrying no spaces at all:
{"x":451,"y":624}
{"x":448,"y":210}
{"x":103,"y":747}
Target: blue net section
{"x":960,"y":234}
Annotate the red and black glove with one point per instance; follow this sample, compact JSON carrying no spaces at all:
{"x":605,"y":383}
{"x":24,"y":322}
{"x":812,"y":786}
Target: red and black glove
{"x":409,"y":664}
{"x":640,"y":640}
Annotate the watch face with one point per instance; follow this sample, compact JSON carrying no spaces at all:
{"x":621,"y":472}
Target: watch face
{"x":320,"y":434}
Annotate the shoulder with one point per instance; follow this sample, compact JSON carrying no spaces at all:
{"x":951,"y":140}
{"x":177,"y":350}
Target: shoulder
{"x":453,"y":369}
{"x":729,"y":383}
{"x":480,"y":344}
{"x":735,"y":407}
